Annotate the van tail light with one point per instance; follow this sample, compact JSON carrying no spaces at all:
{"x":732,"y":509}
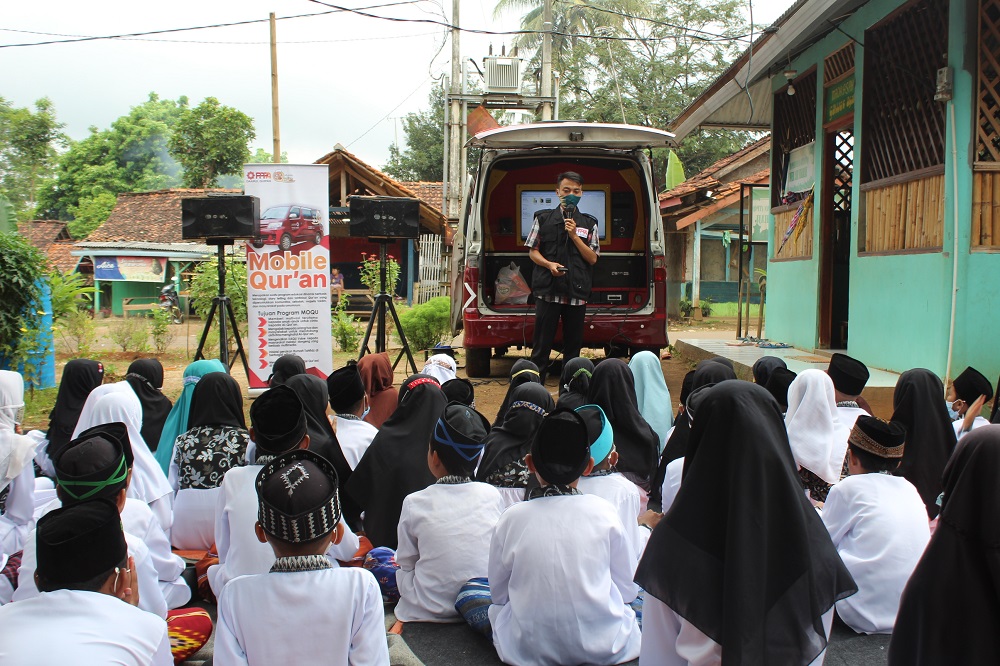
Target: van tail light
{"x":659,"y":269}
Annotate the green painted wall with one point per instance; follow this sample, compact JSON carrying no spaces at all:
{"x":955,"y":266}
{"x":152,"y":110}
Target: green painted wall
{"x":145,"y":291}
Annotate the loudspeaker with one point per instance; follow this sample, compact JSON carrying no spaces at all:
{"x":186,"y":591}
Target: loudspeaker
{"x":228,"y":217}
{"x":385,"y":217}
{"x":622,"y":215}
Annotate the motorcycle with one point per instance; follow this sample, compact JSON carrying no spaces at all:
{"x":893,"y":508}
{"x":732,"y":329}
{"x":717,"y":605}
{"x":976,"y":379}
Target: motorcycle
{"x":170,"y":301}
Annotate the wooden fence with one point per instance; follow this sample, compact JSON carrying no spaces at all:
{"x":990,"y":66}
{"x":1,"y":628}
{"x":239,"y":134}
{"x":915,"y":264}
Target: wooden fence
{"x":905,"y":216}
{"x":795,"y":248}
{"x":433,"y":269}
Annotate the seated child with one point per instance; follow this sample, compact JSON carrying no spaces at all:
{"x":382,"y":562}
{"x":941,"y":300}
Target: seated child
{"x":305,"y":610}
{"x":878,"y":524}
{"x":278,"y":425}
{"x":604,"y":481}
{"x":966,"y":397}
{"x":561,"y":565}
{"x":445,"y":530}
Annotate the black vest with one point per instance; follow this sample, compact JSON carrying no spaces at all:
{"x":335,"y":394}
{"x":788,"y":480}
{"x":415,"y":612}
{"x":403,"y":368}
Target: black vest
{"x":556,"y":245}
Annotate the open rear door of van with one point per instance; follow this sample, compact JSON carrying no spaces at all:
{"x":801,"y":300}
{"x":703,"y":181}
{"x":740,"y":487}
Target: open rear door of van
{"x":573,"y":134}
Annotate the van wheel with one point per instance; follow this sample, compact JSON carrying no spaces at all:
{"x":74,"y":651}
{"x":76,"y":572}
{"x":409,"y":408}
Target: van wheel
{"x":477,"y":362}
{"x":318,"y":238}
{"x":285,"y":242}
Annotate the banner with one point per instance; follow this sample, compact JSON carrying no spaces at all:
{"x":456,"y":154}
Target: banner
{"x":801,"y":169}
{"x":288,"y":272}
{"x":129,"y":269}
{"x":760,"y":214}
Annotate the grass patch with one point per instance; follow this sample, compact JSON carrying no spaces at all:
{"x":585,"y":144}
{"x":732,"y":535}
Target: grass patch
{"x":729,"y":309}
{"x":37,"y":405}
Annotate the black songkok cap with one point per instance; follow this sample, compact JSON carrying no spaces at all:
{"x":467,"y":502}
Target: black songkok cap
{"x":971,"y":384}
{"x":778,"y":383}
{"x":463,"y":429}
{"x":286,"y":367}
{"x":460,"y":390}
{"x":297,"y":495}
{"x":92,"y":465}
{"x":116,"y":431}
{"x":560,"y":449}
{"x":345,"y":387}
{"x":278,"y":420}
{"x":880,"y":438}
{"x":76,"y":543}
{"x":849,"y":375}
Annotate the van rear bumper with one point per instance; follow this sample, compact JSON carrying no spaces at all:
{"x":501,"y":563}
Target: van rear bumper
{"x":510,"y":330}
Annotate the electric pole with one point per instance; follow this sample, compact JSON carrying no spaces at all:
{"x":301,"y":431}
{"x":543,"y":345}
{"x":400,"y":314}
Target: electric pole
{"x":276,"y":155}
{"x":455,"y":121}
{"x":547,"y":59}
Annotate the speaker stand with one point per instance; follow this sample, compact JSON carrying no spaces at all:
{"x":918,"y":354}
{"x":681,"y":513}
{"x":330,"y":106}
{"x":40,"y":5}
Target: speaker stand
{"x":223,"y":307}
{"x":383,"y":301}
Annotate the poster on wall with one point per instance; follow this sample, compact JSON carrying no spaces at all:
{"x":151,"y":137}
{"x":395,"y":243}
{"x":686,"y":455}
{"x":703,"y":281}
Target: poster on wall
{"x":288,"y":270}
{"x":130,"y":269}
{"x":760,"y":215}
{"x":801,"y":169}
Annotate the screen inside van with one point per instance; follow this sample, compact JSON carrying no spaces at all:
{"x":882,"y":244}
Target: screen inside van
{"x":593,"y":202}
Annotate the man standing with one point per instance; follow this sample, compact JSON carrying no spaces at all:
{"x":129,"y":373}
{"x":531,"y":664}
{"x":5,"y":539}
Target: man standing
{"x":564,"y":245}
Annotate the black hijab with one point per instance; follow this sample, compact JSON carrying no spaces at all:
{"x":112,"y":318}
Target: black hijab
{"x":217,"y":401}
{"x":511,"y":440}
{"x":79,"y":378}
{"x":145,"y":376}
{"x":706,"y":373}
{"x":395,"y":463}
{"x":950,"y":608}
{"x":612,"y":388}
{"x":285,"y":368}
{"x":574,"y":383}
{"x":314,"y":395}
{"x":764,"y":366}
{"x":995,"y":414}
{"x":742,"y":555}
{"x":522,"y":372}
{"x":918,"y":405}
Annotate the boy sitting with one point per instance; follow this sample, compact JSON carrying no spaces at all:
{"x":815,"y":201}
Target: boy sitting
{"x":445,"y":530}
{"x":561,"y":565}
{"x":604,"y":481}
{"x":966,"y":397}
{"x":878,"y":524}
{"x":306,"y":610}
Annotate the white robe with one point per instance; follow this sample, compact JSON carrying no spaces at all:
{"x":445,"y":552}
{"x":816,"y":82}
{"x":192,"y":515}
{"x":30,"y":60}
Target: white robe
{"x":444,"y":540}
{"x":561,"y":580}
{"x":18,"y":518}
{"x":626,"y":498}
{"x":978,"y":423}
{"x":671,"y":483}
{"x":354,"y":437}
{"x":74,"y":627}
{"x":878,"y":524}
{"x":240,"y":552}
{"x":330,"y":616}
{"x":670,"y":640}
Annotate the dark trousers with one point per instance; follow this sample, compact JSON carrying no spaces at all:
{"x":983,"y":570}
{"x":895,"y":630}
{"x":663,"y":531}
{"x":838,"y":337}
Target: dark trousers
{"x":547,"y":317}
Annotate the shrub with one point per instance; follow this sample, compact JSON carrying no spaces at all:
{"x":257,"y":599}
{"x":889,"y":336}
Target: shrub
{"x":706,"y":306}
{"x":69,"y":293}
{"x":130,"y":334}
{"x":163,"y":335}
{"x":370,"y":273}
{"x":686,"y":307}
{"x":426,"y":324}
{"x":76,"y":330}
{"x":22,"y":268}
{"x":345,"y":330}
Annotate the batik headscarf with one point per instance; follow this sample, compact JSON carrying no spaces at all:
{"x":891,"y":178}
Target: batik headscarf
{"x":376,"y":373}
{"x":145,"y":376}
{"x":217,"y":438}
{"x":574,"y":382}
{"x":441,"y":367}
{"x":177,"y":421}
{"x":522,"y":372}
{"x":652,"y":394}
{"x":79,"y":378}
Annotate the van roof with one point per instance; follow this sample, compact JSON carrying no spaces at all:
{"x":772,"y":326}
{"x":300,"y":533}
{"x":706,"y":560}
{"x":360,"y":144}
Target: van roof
{"x":573,"y":133}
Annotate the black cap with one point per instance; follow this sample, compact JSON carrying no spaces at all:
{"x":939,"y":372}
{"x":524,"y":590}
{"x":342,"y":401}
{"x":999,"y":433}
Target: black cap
{"x":117,"y":431}
{"x":463,"y":429}
{"x":849,"y":375}
{"x":345,"y":387}
{"x":560,"y":449}
{"x":76,"y":543}
{"x":91,"y":466}
{"x":460,"y":390}
{"x":971,"y":384}
{"x":284,"y":368}
{"x":778,"y":383}
{"x":297,"y":497}
{"x":278,"y":420}
{"x":880,"y":438}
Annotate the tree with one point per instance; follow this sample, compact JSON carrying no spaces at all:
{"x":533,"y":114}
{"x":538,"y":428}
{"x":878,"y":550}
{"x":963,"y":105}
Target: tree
{"x":423,"y":157}
{"x":22,"y":268}
{"x":211,"y":140}
{"x":28,"y":146}
{"x":262,"y":156}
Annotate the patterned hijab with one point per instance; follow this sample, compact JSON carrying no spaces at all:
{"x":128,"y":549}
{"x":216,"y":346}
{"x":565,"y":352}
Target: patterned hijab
{"x":177,"y":421}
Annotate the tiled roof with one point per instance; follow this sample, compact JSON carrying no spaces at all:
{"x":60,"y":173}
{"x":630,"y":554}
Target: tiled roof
{"x":151,"y":217}
{"x":43,"y":233}
{"x":60,"y":257}
{"x":428,"y":192}
{"x":706,"y":179}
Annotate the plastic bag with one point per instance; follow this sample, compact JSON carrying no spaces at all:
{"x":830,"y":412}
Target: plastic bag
{"x":511,"y":287}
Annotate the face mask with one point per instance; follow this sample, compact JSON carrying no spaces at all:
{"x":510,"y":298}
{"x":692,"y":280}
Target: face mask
{"x":952,"y":414}
{"x":570,"y":200}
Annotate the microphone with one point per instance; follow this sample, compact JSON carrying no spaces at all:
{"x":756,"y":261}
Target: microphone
{"x":569,"y":210}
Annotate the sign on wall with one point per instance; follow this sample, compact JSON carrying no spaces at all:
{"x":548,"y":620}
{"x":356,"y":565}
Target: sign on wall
{"x":288,"y":274}
{"x":801,"y":169}
{"x":129,"y":269}
{"x":760,"y":214}
{"x":839,"y":100}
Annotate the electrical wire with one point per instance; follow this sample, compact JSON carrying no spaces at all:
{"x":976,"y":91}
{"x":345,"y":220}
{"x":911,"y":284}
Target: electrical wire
{"x":231,"y":43}
{"x":712,"y":36}
{"x":380,"y":120}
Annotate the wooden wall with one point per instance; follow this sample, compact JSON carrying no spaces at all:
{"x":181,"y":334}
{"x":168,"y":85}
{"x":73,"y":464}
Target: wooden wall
{"x":800,"y":248}
{"x":985,"y":209}
{"x":905,"y":216}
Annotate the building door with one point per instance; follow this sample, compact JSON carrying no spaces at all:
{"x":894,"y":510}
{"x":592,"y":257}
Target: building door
{"x":835,"y":245}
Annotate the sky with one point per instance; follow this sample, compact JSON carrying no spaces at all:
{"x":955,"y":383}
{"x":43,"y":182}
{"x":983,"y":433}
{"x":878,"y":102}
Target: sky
{"x":343,"y":78}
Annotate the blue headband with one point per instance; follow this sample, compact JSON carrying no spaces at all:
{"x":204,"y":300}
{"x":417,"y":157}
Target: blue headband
{"x":442,"y":436}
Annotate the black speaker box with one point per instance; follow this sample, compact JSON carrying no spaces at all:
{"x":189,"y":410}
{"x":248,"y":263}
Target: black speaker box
{"x":385,"y":217}
{"x":622,"y":215}
{"x":220,"y":217}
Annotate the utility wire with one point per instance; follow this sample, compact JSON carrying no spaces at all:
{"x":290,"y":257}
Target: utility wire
{"x":391,"y":111}
{"x":686,"y":31}
{"x":231,"y":43}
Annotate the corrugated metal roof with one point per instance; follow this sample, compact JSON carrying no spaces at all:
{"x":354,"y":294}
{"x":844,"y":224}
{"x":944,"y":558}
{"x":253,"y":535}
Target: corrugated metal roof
{"x":123,"y":247}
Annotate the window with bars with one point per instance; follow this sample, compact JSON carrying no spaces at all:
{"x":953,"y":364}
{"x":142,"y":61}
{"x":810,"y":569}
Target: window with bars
{"x":986,"y":176}
{"x":794,"y":126}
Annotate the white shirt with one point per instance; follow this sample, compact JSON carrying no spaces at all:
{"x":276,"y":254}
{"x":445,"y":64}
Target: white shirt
{"x":444,"y":540}
{"x":626,"y":498}
{"x":73,"y":627}
{"x":670,"y":640}
{"x":354,"y":437}
{"x":671,"y":483}
{"x":240,"y":552}
{"x":18,"y":518}
{"x":561,"y":579}
{"x":978,"y":423}
{"x":878,"y":524}
{"x":330,"y":616}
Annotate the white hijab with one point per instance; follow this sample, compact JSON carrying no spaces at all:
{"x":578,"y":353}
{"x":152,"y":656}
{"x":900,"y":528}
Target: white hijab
{"x":441,"y":367}
{"x":88,"y":419}
{"x":815,"y":433}
{"x":16,"y":451}
{"x":148,"y":481}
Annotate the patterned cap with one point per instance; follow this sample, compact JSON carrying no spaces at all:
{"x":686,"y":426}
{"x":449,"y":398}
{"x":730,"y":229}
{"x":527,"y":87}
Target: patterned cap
{"x":298,"y":499}
{"x":880,"y":438}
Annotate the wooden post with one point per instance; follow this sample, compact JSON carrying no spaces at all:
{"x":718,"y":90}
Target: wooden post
{"x":276,"y":155}
{"x":343,"y":187}
{"x":696,"y":273}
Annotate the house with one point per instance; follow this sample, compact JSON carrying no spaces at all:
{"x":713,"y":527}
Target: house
{"x":702,"y":221}
{"x":885,"y":188}
{"x":52,"y":238}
